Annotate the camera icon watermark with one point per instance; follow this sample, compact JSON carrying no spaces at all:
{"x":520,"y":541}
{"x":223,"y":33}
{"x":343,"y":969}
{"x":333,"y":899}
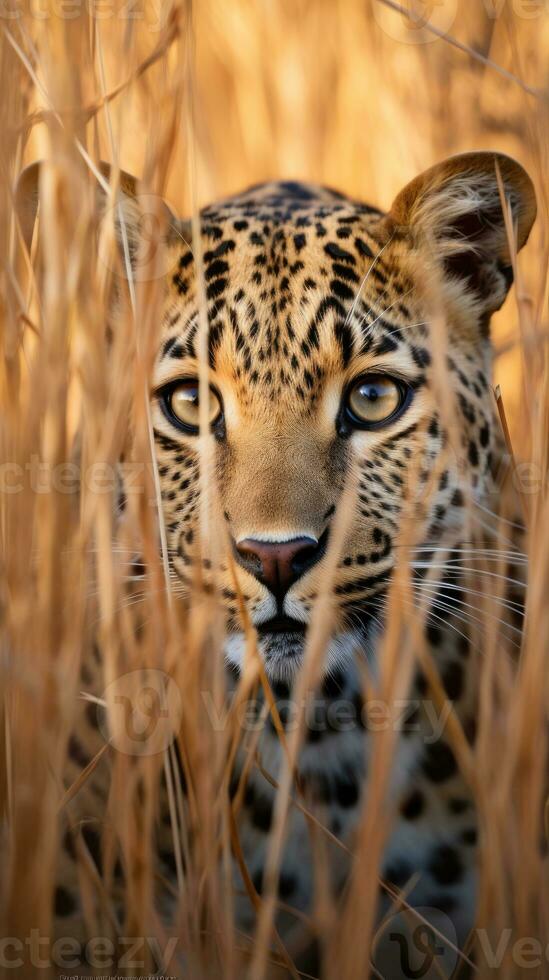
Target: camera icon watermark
{"x":419,"y":943}
{"x":410,"y":20}
{"x":140,"y":250}
{"x":144,"y":710}
{"x":425,"y":21}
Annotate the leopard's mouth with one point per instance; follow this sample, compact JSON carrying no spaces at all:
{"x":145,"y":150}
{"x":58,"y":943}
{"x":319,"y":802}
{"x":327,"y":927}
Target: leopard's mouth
{"x":282,"y":642}
{"x":282,"y":624}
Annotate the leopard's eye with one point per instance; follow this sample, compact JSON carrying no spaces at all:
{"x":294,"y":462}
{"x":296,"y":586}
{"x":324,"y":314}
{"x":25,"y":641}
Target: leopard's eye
{"x":376,"y":399}
{"x":180,"y":402}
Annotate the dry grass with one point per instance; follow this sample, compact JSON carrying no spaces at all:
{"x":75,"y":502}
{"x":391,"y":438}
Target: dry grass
{"x":201,"y":104}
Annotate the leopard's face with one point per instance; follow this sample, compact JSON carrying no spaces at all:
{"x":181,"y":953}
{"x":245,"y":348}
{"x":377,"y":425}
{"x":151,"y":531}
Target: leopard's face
{"x":322,"y":376}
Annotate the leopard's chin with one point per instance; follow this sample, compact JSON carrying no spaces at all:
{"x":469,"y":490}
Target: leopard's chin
{"x":283,"y":651}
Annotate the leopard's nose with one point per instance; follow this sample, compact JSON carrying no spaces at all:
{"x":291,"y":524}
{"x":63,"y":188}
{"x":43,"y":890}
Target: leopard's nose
{"x":278,"y":564}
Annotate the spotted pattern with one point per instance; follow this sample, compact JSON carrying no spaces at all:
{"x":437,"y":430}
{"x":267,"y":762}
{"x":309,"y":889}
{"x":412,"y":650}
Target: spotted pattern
{"x":306,"y":291}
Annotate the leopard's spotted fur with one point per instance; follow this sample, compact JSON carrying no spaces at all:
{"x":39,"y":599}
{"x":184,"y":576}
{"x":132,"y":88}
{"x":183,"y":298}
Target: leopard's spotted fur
{"x":307,"y":290}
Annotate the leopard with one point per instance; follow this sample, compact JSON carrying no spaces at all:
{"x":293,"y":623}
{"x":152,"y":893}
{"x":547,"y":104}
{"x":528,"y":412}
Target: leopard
{"x":348,"y":412}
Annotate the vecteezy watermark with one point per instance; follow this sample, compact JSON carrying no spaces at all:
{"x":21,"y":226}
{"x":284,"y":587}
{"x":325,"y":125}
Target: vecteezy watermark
{"x":526,"y":477}
{"x":151,"y":12}
{"x":144,"y":712}
{"x":140,"y":712}
{"x":418,"y":943}
{"x":415,"y":15}
{"x":99,"y":952}
{"x":69,"y":477}
{"x":318,"y":715}
{"x":527,"y":952}
{"x":423,"y":21}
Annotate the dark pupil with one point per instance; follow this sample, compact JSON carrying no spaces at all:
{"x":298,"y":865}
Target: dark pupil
{"x":371,"y":392}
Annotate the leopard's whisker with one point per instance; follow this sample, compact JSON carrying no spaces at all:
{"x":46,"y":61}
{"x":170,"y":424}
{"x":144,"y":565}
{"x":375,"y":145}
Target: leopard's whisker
{"x":431,"y":617}
{"x":494,"y":532}
{"x":471,"y":571}
{"x":517,"y":525}
{"x":430,"y":586}
{"x":454,"y":553}
{"x":365,"y":279}
{"x":380,"y":316}
{"x":468,"y":617}
{"x":407,"y":326}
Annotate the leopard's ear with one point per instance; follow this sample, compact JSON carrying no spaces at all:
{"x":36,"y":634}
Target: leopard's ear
{"x":141,"y":218}
{"x":456,"y":208}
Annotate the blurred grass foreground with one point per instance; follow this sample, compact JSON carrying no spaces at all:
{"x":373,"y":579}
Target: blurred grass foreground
{"x":200,"y":101}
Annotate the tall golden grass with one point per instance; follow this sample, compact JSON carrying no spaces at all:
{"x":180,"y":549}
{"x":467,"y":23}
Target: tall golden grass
{"x":200,"y":103}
